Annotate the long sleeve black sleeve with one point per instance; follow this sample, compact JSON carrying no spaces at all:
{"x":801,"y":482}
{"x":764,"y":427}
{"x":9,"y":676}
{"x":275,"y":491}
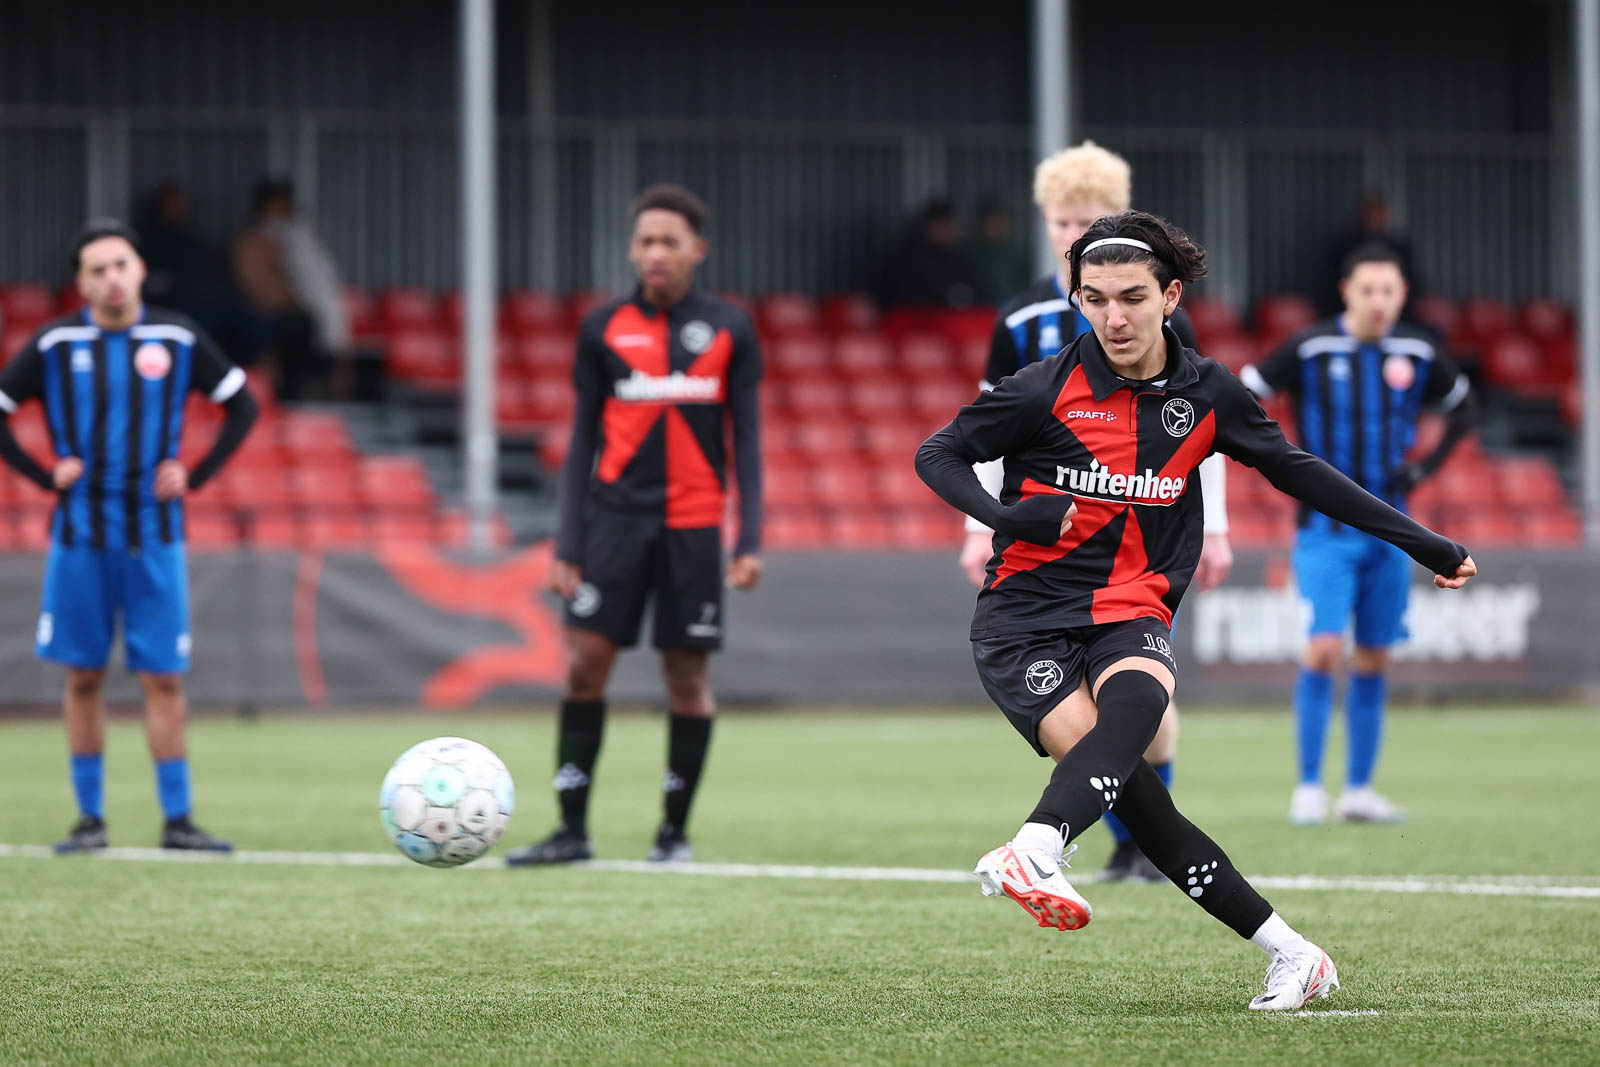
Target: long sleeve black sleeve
{"x":1460,"y":419}
{"x":240,"y":410}
{"x":744,"y":407}
{"x":1245,"y":433}
{"x":588,"y":380}
{"x":19,"y":460}
{"x":999,"y":422}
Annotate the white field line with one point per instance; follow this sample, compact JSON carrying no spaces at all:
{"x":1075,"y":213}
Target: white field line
{"x":1364,"y":1013}
{"x":1515,"y":886}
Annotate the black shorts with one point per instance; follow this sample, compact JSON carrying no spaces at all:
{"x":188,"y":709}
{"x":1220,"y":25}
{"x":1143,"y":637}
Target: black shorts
{"x":1028,"y":675}
{"x":630,"y":559}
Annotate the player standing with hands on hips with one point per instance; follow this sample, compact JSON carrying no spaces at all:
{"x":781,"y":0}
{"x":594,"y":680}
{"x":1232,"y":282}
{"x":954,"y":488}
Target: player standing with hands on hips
{"x":1097,"y":531}
{"x":658,"y":375}
{"x":114,"y":379}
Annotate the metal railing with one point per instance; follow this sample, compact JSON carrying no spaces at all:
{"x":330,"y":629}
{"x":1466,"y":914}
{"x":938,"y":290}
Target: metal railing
{"x":796,"y":206}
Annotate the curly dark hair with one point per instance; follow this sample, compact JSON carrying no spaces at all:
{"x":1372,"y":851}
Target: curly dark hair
{"x":669,"y":197}
{"x":1174,"y":254}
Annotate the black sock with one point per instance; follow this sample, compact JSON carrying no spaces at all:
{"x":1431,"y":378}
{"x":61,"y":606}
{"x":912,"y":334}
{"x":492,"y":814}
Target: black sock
{"x":577,"y":747}
{"x":688,"y":737}
{"x":1186,"y":855}
{"x":1093,"y":774}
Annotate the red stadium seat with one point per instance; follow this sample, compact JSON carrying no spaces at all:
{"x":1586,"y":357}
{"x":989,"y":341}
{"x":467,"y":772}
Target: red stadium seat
{"x":860,"y":529}
{"x":1553,"y":528}
{"x":31,"y":531}
{"x":319,"y":432}
{"x":407,"y":307}
{"x":361,"y":312}
{"x":1546,"y":320}
{"x":1283,"y":314}
{"x":319,"y":491}
{"x":581,"y":303}
{"x":898,"y":485}
{"x":800,"y":357}
{"x":395,"y":483}
{"x":787,"y":485}
{"x":968,"y":324}
{"x":426,"y":357}
{"x":802,"y":532}
{"x":826,"y":441}
{"x":25,"y":303}
{"x":1516,"y":362}
{"x":530,"y":311}
{"x":1232,"y":350}
{"x":843,"y":484}
{"x":210,"y":530}
{"x":1211,"y":317}
{"x":941,"y":399}
{"x":893,"y":438}
{"x":276,"y":532}
{"x":881,"y":397}
{"x":1438,"y":312}
{"x":1529,"y":482}
{"x":926,"y":529}
{"x":848,"y":312}
{"x":786,"y":313}
{"x":338,"y":532}
{"x":545,"y":354}
{"x":821,"y":396}
{"x":451,"y":530}
{"x":12,"y":339}
{"x":925,"y":355}
{"x":864,"y":354}
{"x":402,"y":529}
{"x":1482,"y":320}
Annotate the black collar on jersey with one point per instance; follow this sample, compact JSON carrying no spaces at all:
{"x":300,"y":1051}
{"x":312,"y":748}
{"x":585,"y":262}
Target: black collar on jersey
{"x":648,"y":308}
{"x":1179,"y":372}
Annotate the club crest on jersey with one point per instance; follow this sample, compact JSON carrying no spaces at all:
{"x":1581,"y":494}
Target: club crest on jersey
{"x":1399,"y":372}
{"x":1044,"y":676}
{"x":152,"y":361}
{"x":697,"y":336}
{"x":1177,"y":416}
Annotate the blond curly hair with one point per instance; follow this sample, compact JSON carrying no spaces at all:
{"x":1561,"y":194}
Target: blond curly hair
{"x":1084,"y":173}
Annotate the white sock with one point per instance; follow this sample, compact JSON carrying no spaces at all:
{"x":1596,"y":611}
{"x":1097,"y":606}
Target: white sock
{"x":1274,"y":935}
{"x":1039,"y":835}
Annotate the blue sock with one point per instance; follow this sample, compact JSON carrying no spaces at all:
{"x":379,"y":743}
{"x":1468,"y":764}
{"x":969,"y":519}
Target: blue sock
{"x":1119,"y":832}
{"x":88,"y":782}
{"x":1364,"y":714}
{"x":172,"y":784}
{"x":1313,"y":703}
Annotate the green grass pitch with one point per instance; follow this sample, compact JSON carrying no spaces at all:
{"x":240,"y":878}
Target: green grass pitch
{"x":108,"y":961}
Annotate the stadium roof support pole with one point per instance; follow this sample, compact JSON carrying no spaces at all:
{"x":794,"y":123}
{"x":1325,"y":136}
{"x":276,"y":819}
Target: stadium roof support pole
{"x":1586,"y":56}
{"x":478,"y":431}
{"x":1052,"y":88}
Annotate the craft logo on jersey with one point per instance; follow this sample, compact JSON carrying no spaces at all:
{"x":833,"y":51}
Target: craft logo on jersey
{"x":1092,"y":415}
{"x":676,"y":388}
{"x":1177,"y":416}
{"x":697,"y":336}
{"x":152,"y":361}
{"x":1043,"y":677}
{"x":1099,"y":482}
{"x":1399,"y":372}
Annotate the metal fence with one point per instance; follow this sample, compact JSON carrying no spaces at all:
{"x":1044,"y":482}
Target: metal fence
{"x":797,"y":207}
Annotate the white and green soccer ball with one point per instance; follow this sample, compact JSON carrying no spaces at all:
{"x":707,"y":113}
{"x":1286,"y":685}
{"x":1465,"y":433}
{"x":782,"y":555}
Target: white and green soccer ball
{"x":446,"y":801}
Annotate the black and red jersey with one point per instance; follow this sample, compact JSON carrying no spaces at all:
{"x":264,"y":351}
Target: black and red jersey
{"x":1125,"y":452}
{"x":655,"y":389}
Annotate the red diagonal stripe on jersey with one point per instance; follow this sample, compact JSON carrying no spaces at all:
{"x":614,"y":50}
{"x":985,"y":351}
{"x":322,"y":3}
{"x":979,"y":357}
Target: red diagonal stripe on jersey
{"x":1091,"y":518}
{"x":641,"y":343}
{"x":1194,"y":449}
{"x":694,"y":492}
{"x":1132,"y":589}
{"x":1100,"y":436}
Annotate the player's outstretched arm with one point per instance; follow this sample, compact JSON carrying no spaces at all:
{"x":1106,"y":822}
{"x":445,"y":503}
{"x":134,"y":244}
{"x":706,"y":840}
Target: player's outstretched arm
{"x":1245,"y":433}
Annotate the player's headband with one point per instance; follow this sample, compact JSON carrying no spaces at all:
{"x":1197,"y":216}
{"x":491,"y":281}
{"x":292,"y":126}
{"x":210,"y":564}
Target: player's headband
{"x":1129,"y":241}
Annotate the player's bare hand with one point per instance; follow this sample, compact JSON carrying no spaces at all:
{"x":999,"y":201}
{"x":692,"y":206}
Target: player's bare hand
{"x":1459,"y":579}
{"x":565,"y":578}
{"x":1066,"y":520}
{"x":172,"y":480}
{"x":1216,"y":560}
{"x":975,"y":553}
{"x":68,"y":471}
{"x":745,"y":571}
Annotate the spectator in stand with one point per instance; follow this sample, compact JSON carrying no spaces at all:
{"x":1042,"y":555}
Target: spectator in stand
{"x":930,"y":267}
{"x":289,"y":277}
{"x":1372,"y":226}
{"x":1002,"y":263}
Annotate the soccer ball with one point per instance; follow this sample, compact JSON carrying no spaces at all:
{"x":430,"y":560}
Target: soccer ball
{"x":446,"y":802}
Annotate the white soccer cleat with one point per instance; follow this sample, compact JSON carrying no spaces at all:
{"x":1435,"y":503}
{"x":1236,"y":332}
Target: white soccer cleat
{"x":1297,"y":975}
{"x":1365,"y":804}
{"x":1032,"y":877}
{"x":1308,"y":805}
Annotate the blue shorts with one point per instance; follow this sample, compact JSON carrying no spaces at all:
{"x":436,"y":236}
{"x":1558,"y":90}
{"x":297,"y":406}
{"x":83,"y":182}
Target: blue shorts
{"x":1343,"y":572}
{"x":85,"y":590}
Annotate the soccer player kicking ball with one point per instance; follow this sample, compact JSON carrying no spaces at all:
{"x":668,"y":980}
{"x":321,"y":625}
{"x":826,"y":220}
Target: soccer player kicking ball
{"x":114,"y":379}
{"x":1098,"y":530}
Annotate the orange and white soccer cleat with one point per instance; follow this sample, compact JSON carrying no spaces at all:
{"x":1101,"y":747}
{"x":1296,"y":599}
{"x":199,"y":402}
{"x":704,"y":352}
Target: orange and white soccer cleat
{"x":1032,"y":877}
{"x":1297,"y":975}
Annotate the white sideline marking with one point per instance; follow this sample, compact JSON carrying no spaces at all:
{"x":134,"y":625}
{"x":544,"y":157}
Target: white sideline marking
{"x":1362,"y":1013}
{"x":1510,"y":886}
